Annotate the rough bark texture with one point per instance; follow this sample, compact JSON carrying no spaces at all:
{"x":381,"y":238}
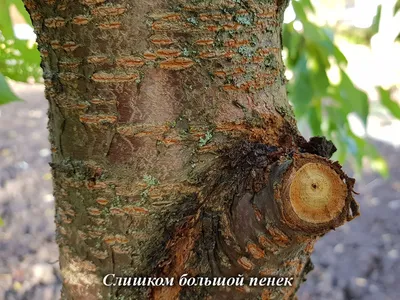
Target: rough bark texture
{"x":175,"y":149}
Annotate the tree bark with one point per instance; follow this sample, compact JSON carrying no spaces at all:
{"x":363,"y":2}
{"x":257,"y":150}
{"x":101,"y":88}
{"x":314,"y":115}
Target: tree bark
{"x":175,"y":150}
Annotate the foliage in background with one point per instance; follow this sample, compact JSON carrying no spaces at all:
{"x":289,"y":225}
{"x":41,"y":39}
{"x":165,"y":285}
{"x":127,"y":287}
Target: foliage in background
{"x":325,"y":106}
{"x":19,"y":59}
{"x":311,"y":53}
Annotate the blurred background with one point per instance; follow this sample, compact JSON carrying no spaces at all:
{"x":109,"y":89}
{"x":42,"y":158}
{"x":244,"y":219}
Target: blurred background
{"x":343,"y":67}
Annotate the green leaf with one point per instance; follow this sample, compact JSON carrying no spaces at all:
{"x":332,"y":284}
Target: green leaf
{"x":319,"y":78}
{"x":378,"y":163}
{"x":387,"y":102}
{"x":301,"y":91}
{"x":318,"y":54}
{"x":6,"y":95}
{"x":339,"y":142}
{"x":353,"y":99}
{"x":396,"y":7}
{"x":312,"y":33}
{"x":1,"y":222}
{"x":310,"y":54}
{"x":377,"y":20}
{"x":19,"y":62}
{"x":6,"y":26}
{"x":356,"y":146}
{"x":337,"y":115}
{"x":294,"y":42}
{"x":21,"y":9}
{"x":315,"y":119}
{"x":28,"y":54}
{"x":299,"y":10}
{"x":366,"y":149}
{"x":308,"y":4}
{"x":340,"y":58}
{"x":317,"y":35}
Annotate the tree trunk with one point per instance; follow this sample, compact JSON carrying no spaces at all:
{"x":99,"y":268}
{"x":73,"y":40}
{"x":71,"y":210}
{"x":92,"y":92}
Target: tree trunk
{"x":175,"y":150}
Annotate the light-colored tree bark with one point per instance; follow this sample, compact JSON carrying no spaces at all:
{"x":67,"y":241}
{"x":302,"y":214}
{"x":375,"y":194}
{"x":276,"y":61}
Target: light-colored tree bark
{"x":175,"y":150}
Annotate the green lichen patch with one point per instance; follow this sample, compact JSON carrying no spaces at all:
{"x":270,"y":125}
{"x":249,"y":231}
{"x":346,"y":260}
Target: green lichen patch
{"x":270,"y":61}
{"x":244,"y":19}
{"x":204,"y":140}
{"x":246,"y":51}
{"x":254,"y":40}
{"x":150,"y":180}
{"x":192,"y":20}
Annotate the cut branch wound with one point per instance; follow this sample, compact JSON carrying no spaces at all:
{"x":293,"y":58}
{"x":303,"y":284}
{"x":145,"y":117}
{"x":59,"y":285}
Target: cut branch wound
{"x":315,"y":194}
{"x":277,"y":203}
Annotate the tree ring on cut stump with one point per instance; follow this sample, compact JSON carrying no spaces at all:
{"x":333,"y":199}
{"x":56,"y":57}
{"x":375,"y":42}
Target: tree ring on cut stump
{"x":317,"y":193}
{"x":312,"y":193}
